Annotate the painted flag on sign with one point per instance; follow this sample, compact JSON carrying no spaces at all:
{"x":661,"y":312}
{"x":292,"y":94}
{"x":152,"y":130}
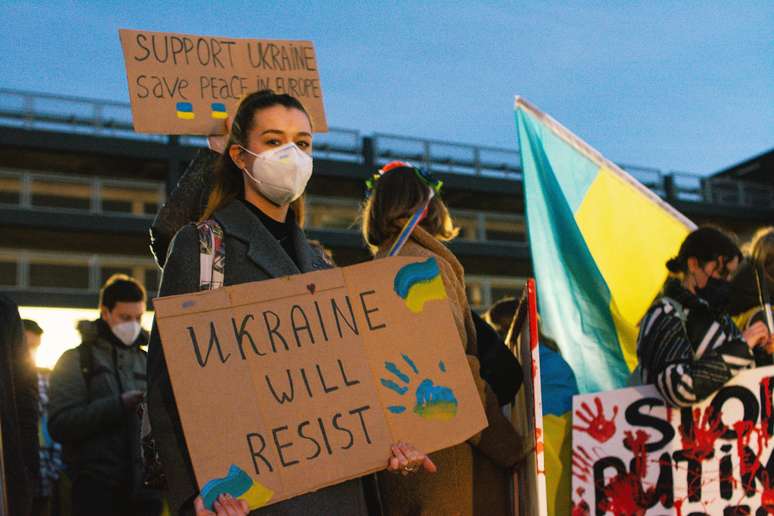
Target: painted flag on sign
{"x":599,"y":242}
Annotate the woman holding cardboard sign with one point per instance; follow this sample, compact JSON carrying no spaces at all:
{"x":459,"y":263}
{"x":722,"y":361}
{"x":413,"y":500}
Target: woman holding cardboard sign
{"x":250,"y":223}
{"x":404,"y":215}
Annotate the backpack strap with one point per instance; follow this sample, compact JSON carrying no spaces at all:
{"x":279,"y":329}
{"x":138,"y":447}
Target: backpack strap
{"x":679,"y":310}
{"x":212,"y":255}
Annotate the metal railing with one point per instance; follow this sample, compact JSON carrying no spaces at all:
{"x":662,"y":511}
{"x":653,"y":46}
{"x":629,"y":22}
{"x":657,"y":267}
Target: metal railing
{"x":107,"y":118}
{"x":478,"y":226}
{"x":78,"y":194}
{"x":448,"y":157}
{"x":43,"y":270}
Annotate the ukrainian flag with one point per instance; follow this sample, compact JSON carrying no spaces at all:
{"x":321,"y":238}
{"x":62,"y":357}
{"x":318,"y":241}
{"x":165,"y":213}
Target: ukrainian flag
{"x":599,"y":241}
{"x":218,"y":110}
{"x":185,"y":110}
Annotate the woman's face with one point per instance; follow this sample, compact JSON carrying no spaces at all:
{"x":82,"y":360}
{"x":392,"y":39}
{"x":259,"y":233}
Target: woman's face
{"x":719,"y":269}
{"x":273,"y":127}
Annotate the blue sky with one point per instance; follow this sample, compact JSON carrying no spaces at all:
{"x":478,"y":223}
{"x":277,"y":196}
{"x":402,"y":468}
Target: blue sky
{"x":685,"y":86}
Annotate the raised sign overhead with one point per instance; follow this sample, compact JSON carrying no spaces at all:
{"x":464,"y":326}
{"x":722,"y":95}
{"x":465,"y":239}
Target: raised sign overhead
{"x":185,"y":84}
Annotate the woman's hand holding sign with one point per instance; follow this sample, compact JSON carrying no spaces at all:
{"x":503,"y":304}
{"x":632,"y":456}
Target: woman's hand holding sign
{"x":225,"y":505}
{"x":217,"y":142}
{"x":407,"y":459}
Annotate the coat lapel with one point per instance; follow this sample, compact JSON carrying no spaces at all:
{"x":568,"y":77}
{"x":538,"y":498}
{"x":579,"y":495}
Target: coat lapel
{"x":263,"y":249}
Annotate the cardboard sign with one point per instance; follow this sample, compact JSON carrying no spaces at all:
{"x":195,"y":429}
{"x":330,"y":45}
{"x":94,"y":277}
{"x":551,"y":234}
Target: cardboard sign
{"x":634,"y":455}
{"x":288,"y":385}
{"x":185,"y":84}
{"x":527,"y":411}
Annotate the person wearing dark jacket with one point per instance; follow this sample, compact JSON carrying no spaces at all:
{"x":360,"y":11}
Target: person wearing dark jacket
{"x":185,"y":204}
{"x":256,"y":200}
{"x":397,"y":192}
{"x":18,"y":413}
{"x":94,"y":393}
{"x":753,"y":286}
{"x":688,"y":346}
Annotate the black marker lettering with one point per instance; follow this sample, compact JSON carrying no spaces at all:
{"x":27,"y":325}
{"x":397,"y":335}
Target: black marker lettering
{"x":368,"y":312}
{"x":272,"y":330}
{"x":286,"y":397}
{"x":258,"y":454}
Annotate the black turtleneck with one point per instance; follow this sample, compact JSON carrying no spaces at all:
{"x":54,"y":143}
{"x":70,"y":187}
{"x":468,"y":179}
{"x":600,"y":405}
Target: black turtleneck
{"x":281,"y":231}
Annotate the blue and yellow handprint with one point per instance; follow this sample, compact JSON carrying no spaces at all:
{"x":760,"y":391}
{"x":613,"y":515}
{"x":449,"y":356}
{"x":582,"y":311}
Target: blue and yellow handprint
{"x":434,"y":402}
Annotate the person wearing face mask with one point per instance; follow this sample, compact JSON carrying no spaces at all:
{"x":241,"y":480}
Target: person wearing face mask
{"x":688,"y":346}
{"x":255,"y":205}
{"x":94,"y":391}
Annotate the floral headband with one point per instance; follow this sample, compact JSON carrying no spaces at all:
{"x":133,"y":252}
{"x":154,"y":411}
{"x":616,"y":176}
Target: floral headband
{"x":424,"y":175}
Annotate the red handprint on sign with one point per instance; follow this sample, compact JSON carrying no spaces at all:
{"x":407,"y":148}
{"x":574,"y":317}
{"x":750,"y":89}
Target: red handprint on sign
{"x":699,"y":443}
{"x":582,"y":463}
{"x":599,"y":427}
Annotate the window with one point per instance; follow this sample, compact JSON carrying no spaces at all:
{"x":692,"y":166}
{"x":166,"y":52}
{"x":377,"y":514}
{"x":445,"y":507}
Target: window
{"x":127,"y":198}
{"x":483,"y":291}
{"x":468,"y":226}
{"x":475,"y":294}
{"x":8,"y":273}
{"x":10,"y":190}
{"x":51,"y":275}
{"x":332,"y":214}
{"x":106,"y":272}
{"x":507,"y":230}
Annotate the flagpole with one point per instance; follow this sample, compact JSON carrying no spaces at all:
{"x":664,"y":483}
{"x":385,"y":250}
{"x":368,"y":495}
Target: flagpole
{"x":597,"y":157}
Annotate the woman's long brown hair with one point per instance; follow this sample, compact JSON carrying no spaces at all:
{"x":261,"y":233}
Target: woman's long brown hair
{"x":396,"y":196}
{"x":229,"y":182}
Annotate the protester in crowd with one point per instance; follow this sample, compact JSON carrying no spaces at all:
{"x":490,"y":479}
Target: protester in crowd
{"x":94,"y":393}
{"x":688,"y":346}
{"x":325,"y":252}
{"x":500,"y":368}
{"x":18,"y":413}
{"x":557,"y":387}
{"x":396,"y":193}
{"x":753,"y":285}
{"x":500,"y":315}
{"x":557,"y":380}
{"x":45,"y":500}
{"x":256,"y":202}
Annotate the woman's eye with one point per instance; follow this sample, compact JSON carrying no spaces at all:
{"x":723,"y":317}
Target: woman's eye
{"x":303,"y":144}
{"x":273,"y":142}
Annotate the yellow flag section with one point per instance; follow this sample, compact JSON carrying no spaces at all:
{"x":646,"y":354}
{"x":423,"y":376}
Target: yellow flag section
{"x":631,"y":236}
{"x":558,"y":452}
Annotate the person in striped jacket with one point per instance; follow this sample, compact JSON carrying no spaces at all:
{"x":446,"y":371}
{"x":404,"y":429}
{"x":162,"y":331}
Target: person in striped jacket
{"x":688,"y":346}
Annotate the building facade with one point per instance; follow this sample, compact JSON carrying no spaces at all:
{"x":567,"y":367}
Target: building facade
{"x":79,"y":190}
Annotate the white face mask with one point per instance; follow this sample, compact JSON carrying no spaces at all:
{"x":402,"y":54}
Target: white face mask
{"x":127,"y":332}
{"x":280,"y":174}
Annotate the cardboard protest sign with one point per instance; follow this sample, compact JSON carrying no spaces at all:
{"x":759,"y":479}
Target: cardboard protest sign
{"x":288,"y":385}
{"x":634,"y":455}
{"x":186,"y":84}
{"x":527,"y":411}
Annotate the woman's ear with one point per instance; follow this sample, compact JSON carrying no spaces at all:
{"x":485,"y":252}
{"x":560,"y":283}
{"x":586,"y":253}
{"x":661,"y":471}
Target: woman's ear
{"x":236,"y":156}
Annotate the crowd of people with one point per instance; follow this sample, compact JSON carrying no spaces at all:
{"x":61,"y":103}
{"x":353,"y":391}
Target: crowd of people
{"x":101,"y":433}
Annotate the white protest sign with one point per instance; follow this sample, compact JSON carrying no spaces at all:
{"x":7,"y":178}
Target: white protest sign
{"x":634,"y":455}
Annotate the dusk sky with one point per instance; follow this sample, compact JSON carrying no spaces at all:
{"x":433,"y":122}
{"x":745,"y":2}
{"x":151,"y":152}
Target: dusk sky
{"x":685,"y":86}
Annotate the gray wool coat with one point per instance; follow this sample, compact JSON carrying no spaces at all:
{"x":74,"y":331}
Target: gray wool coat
{"x":252,"y":254}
